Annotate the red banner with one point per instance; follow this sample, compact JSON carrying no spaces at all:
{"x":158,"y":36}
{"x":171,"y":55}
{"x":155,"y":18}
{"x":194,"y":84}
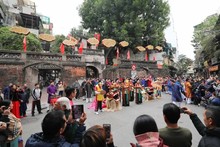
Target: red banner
{"x":25,"y":44}
{"x":80,"y":50}
{"x":62,"y":48}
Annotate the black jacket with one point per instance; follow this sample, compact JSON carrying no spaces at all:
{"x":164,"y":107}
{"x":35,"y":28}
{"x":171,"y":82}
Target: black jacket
{"x":37,"y":140}
{"x":210,"y":137}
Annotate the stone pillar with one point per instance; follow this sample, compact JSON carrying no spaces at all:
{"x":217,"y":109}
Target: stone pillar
{"x":23,"y":55}
{"x":63,"y":57}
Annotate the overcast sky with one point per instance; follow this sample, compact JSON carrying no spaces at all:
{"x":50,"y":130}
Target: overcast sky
{"x":184,"y":15}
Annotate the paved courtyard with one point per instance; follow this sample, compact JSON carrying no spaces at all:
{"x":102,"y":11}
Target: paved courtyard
{"x":121,"y":121}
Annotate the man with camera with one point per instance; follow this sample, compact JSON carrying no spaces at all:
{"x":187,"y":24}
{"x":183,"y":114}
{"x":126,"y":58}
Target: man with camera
{"x":210,"y":132}
{"x":173,"y":135}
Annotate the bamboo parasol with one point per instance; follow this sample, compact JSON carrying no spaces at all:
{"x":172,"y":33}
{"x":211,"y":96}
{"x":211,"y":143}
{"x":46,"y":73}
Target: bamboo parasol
{"x":46,"y":37}
{"x":93,"y":41}
{"x":109,"y":42}
{"x":69,"y":42}
{"x":124,"y":43}
{"x":159,"y":48}
{"x":141,"y":48}
{"x":20,"y":30}
{"x":150,"y":47}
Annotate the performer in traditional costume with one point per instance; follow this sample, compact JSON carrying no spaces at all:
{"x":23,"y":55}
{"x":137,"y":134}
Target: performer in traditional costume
{"x":138,"y":88}
{"x":112,"y":100}
{"x":131,"y":87}
{"x":125,"y":94}
{"x":99,"y":97}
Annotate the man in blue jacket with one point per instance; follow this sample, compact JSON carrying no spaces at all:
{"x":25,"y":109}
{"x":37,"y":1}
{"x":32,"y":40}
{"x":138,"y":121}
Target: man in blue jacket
{"x":176,"y":92}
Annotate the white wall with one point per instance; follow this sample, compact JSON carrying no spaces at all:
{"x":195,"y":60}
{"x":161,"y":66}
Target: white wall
{"x":10,"y":3}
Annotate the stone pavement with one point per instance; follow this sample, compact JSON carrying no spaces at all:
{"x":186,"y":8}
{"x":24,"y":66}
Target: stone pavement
{"x":121,"y":121}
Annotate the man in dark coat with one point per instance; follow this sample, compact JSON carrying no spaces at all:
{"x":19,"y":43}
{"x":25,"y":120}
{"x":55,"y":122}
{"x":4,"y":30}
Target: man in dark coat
{"x":51,"y":135}
{"x":210,"y":132}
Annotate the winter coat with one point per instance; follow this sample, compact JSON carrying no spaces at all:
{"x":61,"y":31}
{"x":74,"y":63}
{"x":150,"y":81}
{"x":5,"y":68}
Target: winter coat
{"x":176,"y":92}
{"x":38,"y":140}
{"x":210,"y":137}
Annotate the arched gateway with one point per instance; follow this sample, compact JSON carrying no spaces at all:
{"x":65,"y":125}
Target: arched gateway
{"x":43,"y":73}
{"x":92,"y":72}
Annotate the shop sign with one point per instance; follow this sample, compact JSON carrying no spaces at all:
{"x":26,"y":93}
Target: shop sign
{"x":213,"y":68}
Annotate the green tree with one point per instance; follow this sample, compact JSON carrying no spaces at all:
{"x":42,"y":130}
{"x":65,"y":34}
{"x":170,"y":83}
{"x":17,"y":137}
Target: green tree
{"x":140,"y":22}
{"x":182,"y":64}
{"x":55,"y":45}
{"x":13,"y":41}
{"x":204,"y":39}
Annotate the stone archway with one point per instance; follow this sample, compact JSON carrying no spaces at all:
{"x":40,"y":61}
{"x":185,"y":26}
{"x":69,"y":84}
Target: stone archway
{"x":42,"y":72}
{"x":92,"y":72}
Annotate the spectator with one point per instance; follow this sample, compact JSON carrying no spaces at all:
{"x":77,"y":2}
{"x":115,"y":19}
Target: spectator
{"x":216,"y":100}
{"x":1,"y":95}
{"x":83,"y":90}
{"x":14,"y":127}
{"x":74,"y":129}
{"x":23,"y":102}
{"x":70,"y":94}
{"x":51,"y":135}
{"x":14,"y":97}
{"x":95,"y":137}
{"x":210,"y":132}
{"x":6,"y":91}
{"x":174,"y":135}
{"x":76,"y":85}
{"x":36,"y":94}
{"x":89,"y":90}
{"x":51,"y":90}
{"x":146,"y":132}
{"x":60,"y":88}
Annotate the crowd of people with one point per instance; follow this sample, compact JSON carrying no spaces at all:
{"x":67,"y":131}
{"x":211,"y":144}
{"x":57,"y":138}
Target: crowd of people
{"x":112,"y":95}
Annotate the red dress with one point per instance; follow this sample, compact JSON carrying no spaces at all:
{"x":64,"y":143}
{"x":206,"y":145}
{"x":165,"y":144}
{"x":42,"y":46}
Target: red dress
{"x":16,"y":103}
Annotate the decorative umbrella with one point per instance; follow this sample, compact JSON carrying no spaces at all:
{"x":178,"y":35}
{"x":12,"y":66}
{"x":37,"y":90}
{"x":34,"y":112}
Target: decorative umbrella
{"x":159,"y":48}
{"x":150,"y":47}
{"x":20,"y":30}
{"x":72,"y":38}
{"x":93,"y":41}
{"x":46,"y":37}
{"x":69,"y":42}
{"x":141,"y":48}
{"x":109,"y":42}
{"x":124,"y":43}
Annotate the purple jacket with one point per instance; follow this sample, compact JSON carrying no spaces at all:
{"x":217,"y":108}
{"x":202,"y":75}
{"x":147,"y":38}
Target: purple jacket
{"x":51,"y":89}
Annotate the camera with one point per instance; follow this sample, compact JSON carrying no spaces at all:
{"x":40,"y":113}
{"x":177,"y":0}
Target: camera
{"x":182,"y":110}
